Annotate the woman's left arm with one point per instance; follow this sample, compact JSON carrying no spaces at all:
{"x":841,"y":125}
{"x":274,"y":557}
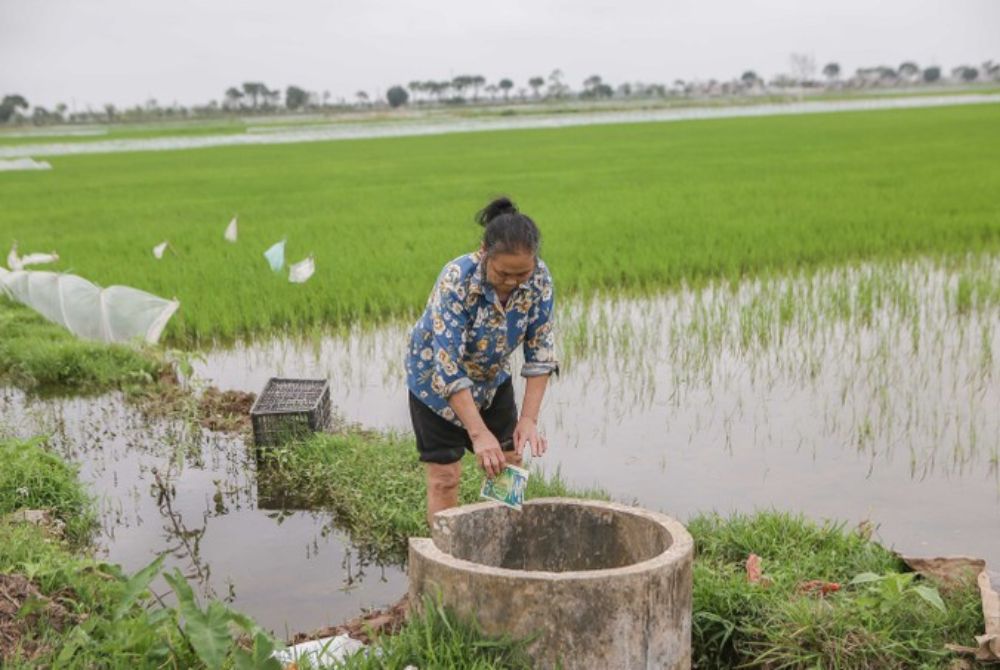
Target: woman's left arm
{"x":539,"y":363}
{"x":527,"y":426}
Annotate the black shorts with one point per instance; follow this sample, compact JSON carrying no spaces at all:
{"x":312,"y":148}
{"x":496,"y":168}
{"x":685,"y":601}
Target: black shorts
{"x":441,"y":441}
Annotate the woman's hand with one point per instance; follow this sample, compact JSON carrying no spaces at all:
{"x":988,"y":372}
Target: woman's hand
{"x":526,"y":431}
{"x":488,"y":453}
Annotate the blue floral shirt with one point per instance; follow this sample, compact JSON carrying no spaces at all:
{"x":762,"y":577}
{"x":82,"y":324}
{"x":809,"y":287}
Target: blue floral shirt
{"x":466,"y":336}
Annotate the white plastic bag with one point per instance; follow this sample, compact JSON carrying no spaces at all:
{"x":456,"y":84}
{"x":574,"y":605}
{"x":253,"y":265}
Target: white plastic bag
{"x":231,"y":231}
{"x":13,"y":260}
{"x":159,"y":249}
{"x":276,"y":256}
{"x":302,"y":271}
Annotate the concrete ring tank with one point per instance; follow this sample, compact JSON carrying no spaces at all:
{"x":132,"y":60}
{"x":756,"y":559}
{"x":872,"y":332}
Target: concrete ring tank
{"x":598,"y":585}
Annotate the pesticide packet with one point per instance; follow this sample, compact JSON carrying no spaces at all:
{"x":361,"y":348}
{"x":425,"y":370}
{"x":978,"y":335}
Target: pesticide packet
{"x":507,"y":488}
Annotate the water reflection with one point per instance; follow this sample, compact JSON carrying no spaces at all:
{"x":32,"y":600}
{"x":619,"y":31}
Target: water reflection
{"x":865,"y":392}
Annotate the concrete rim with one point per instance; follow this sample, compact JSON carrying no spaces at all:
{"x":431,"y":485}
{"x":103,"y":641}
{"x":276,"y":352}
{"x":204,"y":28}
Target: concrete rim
{"x":682,"y":543}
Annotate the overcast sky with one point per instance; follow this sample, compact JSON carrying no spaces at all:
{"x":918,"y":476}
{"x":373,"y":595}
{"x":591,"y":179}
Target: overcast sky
{"x":189,"y":51}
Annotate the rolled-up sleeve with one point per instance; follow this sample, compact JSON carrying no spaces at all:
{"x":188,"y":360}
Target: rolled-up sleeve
{"x":448,"y":319}
{"x":539,"y":337}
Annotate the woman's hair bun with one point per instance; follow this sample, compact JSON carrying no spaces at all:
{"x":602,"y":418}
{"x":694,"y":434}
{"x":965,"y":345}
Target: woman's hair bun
{"x":497,"y":207}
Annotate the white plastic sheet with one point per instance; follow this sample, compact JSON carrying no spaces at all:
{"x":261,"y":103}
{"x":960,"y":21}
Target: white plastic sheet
{"x":322,"y":653}
{"x":23,"y":164}
{"x":112,"y":314}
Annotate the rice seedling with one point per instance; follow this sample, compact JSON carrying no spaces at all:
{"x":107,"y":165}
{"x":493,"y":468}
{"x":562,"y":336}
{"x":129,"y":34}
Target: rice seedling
{"x":633,"y":208}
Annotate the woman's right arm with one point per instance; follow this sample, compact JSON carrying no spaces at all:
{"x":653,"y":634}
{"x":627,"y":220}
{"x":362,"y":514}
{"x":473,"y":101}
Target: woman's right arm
{"x":449,"y":317}
{"x":484,"y":443}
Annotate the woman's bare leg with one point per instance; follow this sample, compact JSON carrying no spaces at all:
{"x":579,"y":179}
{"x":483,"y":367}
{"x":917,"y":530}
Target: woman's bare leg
{"x":442,"y":484}
{"x":442,"y":487}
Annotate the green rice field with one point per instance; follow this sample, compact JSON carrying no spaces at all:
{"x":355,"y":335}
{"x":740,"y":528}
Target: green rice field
{"x":631,"y":208}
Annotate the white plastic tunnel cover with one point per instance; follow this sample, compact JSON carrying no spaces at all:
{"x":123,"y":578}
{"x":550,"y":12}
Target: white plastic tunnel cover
{"x":112,"y":314}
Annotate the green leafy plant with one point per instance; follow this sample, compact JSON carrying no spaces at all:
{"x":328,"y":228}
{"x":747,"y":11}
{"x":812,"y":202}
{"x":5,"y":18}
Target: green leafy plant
{"x":33,"y":478}
{"x":208,"y":631}
{"x":878,"y":591}
{"x":882,"y":616}
{"x":434,"y":637}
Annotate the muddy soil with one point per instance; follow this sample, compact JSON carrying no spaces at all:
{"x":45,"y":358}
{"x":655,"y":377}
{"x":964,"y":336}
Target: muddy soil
{"x":20,"y":624}
{"x":364,"y":628}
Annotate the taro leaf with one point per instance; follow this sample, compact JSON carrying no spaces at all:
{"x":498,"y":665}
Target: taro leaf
{"x":244,"y":622}
{"x":136,"y":585}
{"x":77,"y":638}
{"x":263,"y":646}
{"x":261,"y":658}
{"x":207,"y":631}
{"x":185,"y":596}
{"x":931,"y":595}
{"x":33,"y":605}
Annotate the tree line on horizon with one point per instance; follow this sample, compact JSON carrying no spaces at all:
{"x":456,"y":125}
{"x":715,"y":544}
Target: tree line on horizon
{"x":255,"y":97}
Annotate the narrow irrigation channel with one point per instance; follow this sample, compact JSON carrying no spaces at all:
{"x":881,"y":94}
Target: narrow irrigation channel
{"x":166,"y":486}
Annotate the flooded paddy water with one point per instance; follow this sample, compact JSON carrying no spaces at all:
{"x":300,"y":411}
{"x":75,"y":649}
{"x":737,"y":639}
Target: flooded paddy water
{"x":861,"y":393}
{"x":866,"y":393}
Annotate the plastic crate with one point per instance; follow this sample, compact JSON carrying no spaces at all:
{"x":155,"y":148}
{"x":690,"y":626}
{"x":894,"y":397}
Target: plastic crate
{"x":289,"y":409}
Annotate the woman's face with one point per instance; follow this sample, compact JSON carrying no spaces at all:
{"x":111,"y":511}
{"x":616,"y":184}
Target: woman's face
{"x":506,"y":271}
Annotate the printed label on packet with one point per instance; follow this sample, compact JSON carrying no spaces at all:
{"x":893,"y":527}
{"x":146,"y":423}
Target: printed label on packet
{"x":507,"y":488}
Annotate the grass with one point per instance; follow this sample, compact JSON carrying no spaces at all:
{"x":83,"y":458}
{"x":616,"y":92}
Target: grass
{"x":41,"y":356}
{"x":885,"y":623}
{"x":435,"y":638}
{"x":374,"y":485}
{"x":635,"y":208}
{"x":85,"y":588}
{"x":32,"y":479}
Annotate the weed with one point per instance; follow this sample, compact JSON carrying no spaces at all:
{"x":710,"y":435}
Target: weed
{"x":32,"y":478}
{"x":878,"y":616}
{"x":41,"y":356}
{"x":435,"y":638}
